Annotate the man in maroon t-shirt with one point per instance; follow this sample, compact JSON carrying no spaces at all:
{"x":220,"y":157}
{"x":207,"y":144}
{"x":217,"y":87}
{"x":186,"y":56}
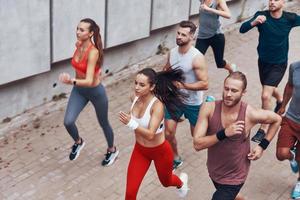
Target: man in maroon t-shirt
{"x":223,"y":127}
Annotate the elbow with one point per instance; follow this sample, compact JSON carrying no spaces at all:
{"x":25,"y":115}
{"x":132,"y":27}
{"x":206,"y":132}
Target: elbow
{"x":205,"y":85}
{"x":198,"y":146}
{"x":243,"y":29}
{"x":89,"y":82}
{"x":227,"y":16}
{"x":150,"y":136}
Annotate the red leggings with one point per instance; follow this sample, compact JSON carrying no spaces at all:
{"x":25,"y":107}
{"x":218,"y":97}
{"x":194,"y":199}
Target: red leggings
{"x":140,"y":161}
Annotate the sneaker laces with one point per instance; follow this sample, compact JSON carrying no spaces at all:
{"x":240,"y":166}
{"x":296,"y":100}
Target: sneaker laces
{"x":107,"y":155}
{"x":74,"y":148}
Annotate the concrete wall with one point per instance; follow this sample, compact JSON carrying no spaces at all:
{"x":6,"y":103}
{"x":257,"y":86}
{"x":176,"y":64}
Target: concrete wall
{"x":168,"y":12}
{"x":127,"y":21}
{"x":39,"y":30}
{"x":65,"y":17}
{"x":25,"y":41}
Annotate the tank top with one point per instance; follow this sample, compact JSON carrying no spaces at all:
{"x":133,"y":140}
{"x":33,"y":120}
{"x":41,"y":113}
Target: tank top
{"x":81,"y":65}
{"x":145,"y":119}
{"x":209,"y":23}
{"x":185,"y":62}
{"x":227,"y":161}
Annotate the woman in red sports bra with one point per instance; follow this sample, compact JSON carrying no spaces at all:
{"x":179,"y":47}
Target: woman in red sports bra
{"x":87,"y":61}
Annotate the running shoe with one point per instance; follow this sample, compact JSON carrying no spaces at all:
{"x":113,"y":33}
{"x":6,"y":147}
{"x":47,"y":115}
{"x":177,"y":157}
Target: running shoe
{"x":210,"y":99}
{"x":278,"y":106}
{"x":233,"y":67}
{"x":76,"y":148}
{"x":110,"y":158}
{"x":260,"y":134}
{"x":295,"y":194}
{"x":182,"y":192}
{"x":293,"y":162}
{"x":177,"y":163}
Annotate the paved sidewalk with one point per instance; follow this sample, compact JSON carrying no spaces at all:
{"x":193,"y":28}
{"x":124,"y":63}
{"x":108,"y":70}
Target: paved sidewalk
{"x":34,"y":155}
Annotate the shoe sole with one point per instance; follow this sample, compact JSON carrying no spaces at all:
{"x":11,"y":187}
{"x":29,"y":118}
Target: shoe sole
{"x":186,"y":182}
{"x":112,"y":160}
{"x":79,"y":151}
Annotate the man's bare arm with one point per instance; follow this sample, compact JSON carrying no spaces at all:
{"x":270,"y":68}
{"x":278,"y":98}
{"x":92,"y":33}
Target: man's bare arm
{"x":260,"y":116}
{"x":201,"y":141}
{"x":200,"y":69}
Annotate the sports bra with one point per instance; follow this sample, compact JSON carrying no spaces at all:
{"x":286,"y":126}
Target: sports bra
{"x":81,"y":65}
{"x":145,"y":119}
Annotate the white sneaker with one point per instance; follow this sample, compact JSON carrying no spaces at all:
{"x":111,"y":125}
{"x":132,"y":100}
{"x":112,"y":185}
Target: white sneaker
{"x":295,"y":194}
{"x":233,"y":67}
{"x":182,"y":192}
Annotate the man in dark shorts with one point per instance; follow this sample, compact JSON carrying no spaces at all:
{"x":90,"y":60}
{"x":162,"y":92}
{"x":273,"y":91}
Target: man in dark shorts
{"x":223,"y":128}
{"x":274,"y":26}
{"x":288,"y":145}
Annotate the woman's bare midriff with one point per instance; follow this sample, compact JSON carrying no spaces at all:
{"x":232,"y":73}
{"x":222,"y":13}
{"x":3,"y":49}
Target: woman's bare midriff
{"x":96,"y":79}
{"x":157,"y":140}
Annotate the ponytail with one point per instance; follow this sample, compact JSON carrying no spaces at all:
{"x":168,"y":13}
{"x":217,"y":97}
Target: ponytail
{"x":165,"y":90}
{"x":96,"y":38}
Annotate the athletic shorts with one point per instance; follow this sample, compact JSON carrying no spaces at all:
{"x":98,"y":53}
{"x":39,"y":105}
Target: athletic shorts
{"x":189,"y":112}
{"x":271,"y":74}
{"x":288,"y":135}
{"x":226,"y":192}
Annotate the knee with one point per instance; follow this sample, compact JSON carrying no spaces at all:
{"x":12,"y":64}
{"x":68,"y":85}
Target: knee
{"x":266,"y":96}
{"x":170,"y":135}
{"x":282,"y":155}
{"x":68,"y":122}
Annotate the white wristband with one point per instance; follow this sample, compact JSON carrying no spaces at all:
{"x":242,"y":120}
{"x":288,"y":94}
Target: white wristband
{"x":132,"y":124}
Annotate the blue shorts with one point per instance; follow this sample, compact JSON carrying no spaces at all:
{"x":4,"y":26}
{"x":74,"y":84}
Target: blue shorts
{"x":190,"y":112}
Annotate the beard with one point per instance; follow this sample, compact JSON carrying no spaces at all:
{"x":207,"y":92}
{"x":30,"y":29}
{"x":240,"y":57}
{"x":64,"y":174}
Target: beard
{"x":231,"y":102}
{"x":274,"y":8}
{"x":181,"y":43}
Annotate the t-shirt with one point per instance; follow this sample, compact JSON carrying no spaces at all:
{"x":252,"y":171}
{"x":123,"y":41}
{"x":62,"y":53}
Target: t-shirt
{"x":274,"y":33}
{"x":293,"y":111}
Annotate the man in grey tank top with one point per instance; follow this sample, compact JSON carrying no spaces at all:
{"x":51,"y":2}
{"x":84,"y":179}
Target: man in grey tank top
{"x":186,"y":57}
{"x":223,"y":127}
{"x":288,"y":143}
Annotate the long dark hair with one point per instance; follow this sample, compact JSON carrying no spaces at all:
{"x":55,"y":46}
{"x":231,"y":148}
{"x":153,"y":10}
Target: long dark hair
{"x":165,"y":90}
{"x":96,"y":38}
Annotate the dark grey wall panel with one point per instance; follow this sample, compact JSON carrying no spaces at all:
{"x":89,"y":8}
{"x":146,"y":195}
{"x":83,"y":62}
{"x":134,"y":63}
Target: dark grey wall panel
{"x":66,"y":16}
{"x":25,"y":38}
{"x":127,"y":21}
{"x":169,"y":12}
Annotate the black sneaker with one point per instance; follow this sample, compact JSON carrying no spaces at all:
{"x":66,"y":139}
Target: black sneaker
{"x":278,"y":106}
{"x":260,"y":134}
{"x":76,"y":148}
{"x":110,"y":157}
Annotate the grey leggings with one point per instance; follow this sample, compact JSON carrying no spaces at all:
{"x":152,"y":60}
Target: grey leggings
{"x":79,"y":97}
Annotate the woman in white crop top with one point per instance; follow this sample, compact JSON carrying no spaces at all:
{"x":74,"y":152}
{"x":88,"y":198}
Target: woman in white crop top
{"x":153,"y":91}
